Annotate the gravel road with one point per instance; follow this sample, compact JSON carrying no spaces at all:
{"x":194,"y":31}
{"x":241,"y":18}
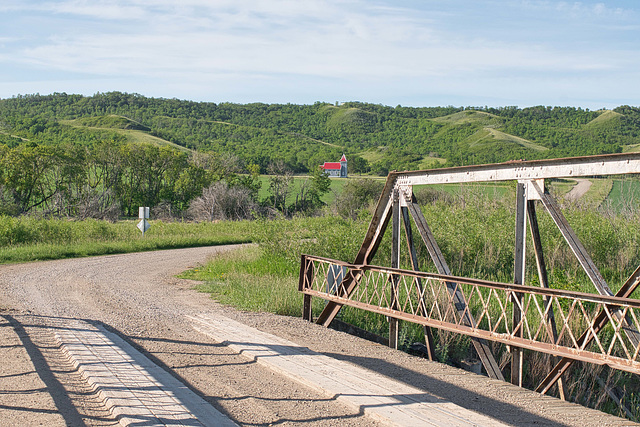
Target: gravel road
{"x":138,"y":297}
{"x":580,"y":189}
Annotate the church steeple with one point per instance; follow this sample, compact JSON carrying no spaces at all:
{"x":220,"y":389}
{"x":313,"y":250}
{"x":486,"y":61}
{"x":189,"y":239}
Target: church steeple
{"x":343,"y":166}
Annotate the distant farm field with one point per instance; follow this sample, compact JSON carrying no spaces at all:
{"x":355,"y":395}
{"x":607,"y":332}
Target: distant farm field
{"x":624,"y":195}
{"x":298,"y":180}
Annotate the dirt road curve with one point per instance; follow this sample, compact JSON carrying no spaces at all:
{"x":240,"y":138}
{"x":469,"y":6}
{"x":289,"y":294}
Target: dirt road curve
{"x":580,"y":189}
{"x":138,"y":297}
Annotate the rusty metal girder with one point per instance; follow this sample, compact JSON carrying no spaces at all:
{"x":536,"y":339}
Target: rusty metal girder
{"x":491,"y":308}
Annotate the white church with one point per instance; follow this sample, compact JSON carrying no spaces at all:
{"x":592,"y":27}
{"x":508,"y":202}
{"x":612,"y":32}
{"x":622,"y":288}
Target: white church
{"x":336,"y":169}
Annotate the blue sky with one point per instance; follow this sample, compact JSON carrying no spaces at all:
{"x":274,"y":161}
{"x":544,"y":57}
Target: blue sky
{"x":402,"y":52}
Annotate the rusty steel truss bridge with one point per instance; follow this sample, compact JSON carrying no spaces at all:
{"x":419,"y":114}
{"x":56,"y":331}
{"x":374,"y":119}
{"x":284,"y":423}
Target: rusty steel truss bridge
{"x":600,"y":328}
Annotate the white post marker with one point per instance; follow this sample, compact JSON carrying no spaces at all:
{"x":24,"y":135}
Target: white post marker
{"x":143,"y":214}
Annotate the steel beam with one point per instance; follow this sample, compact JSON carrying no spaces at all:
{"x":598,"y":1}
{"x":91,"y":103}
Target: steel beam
{"x":565,"y":352}
{"x":608,"y":164}
{"x":542,"y":276}
{"x":428,"y":336}
{"x":518,"y":278}
{"x":395,"y":263}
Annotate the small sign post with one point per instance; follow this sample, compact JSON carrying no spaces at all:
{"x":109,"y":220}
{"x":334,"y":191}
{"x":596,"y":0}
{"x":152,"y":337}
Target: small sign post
{"x":143,"y":214}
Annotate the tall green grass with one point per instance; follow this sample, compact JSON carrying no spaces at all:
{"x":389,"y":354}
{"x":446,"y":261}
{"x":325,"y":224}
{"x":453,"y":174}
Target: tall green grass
{"x":474,"y":230}
{"x":29,"y":239}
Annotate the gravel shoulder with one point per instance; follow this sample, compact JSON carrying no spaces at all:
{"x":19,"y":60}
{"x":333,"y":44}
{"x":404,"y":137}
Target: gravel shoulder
{"x":138,"y":297}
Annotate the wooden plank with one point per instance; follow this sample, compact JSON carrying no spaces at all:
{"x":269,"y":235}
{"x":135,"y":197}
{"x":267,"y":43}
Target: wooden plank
{"x":134,"y":389}
{"x":390,"y":401}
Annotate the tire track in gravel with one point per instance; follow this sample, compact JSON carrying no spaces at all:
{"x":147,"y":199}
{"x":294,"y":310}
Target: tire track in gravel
{"x":138,"y":297}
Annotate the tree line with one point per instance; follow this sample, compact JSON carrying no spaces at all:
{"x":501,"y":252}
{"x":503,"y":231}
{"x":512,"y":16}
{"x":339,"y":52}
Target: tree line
{"x":111,"y":179}
{"x":376,"y":138}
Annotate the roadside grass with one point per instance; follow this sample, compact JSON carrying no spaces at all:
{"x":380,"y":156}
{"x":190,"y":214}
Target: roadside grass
{"x":265,"y":277}
{"x":248,"y":280}
{"x":30,"y":239}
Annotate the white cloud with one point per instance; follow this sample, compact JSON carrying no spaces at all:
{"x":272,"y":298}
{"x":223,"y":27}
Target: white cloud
{"x":98,"y":9}
{"x":361,"y":44}
{"x":578,"y":9}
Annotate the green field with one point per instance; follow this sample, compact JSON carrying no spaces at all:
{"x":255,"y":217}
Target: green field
{"x":624,"y":195}
{"x":328,"y":198}
{"x":122,"y":126}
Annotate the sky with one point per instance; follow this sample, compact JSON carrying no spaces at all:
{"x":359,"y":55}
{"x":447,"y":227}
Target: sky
{"x":391,"y":52}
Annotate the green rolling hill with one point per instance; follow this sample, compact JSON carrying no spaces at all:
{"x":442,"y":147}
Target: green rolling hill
{"x":375,"y":138}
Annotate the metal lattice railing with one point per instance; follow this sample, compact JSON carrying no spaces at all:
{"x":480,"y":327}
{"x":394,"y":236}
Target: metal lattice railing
{"x":591,"y":328}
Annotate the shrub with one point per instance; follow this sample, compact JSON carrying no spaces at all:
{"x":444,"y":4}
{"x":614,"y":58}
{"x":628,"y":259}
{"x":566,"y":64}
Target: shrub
{"x":357,"y":195}
{"x":219,"y":201}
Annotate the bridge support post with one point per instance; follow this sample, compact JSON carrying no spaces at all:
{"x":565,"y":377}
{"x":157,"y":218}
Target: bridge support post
{"x":518,"y":279}
{"x":306,"y":276}
{"x":395,"y":263}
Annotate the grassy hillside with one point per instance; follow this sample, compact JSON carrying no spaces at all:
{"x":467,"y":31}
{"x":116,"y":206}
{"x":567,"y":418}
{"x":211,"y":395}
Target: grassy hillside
{"x":498,"y":136}
{"x":376,"y":138}
{"x":470,"y":116}
{"x":132,"y":131}
{"x":604,"y":117}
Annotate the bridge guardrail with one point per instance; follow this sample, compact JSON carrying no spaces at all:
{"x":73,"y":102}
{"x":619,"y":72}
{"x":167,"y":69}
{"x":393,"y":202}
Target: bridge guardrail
{"x":587,"y":327}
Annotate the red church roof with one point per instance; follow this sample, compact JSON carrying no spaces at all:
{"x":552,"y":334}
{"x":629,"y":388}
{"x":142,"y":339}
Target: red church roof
{"x":331,"y":165}
{"x":343,"y":158}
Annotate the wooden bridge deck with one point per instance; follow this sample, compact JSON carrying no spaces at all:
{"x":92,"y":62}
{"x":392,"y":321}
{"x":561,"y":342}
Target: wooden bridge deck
{"x":393,"y":401}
